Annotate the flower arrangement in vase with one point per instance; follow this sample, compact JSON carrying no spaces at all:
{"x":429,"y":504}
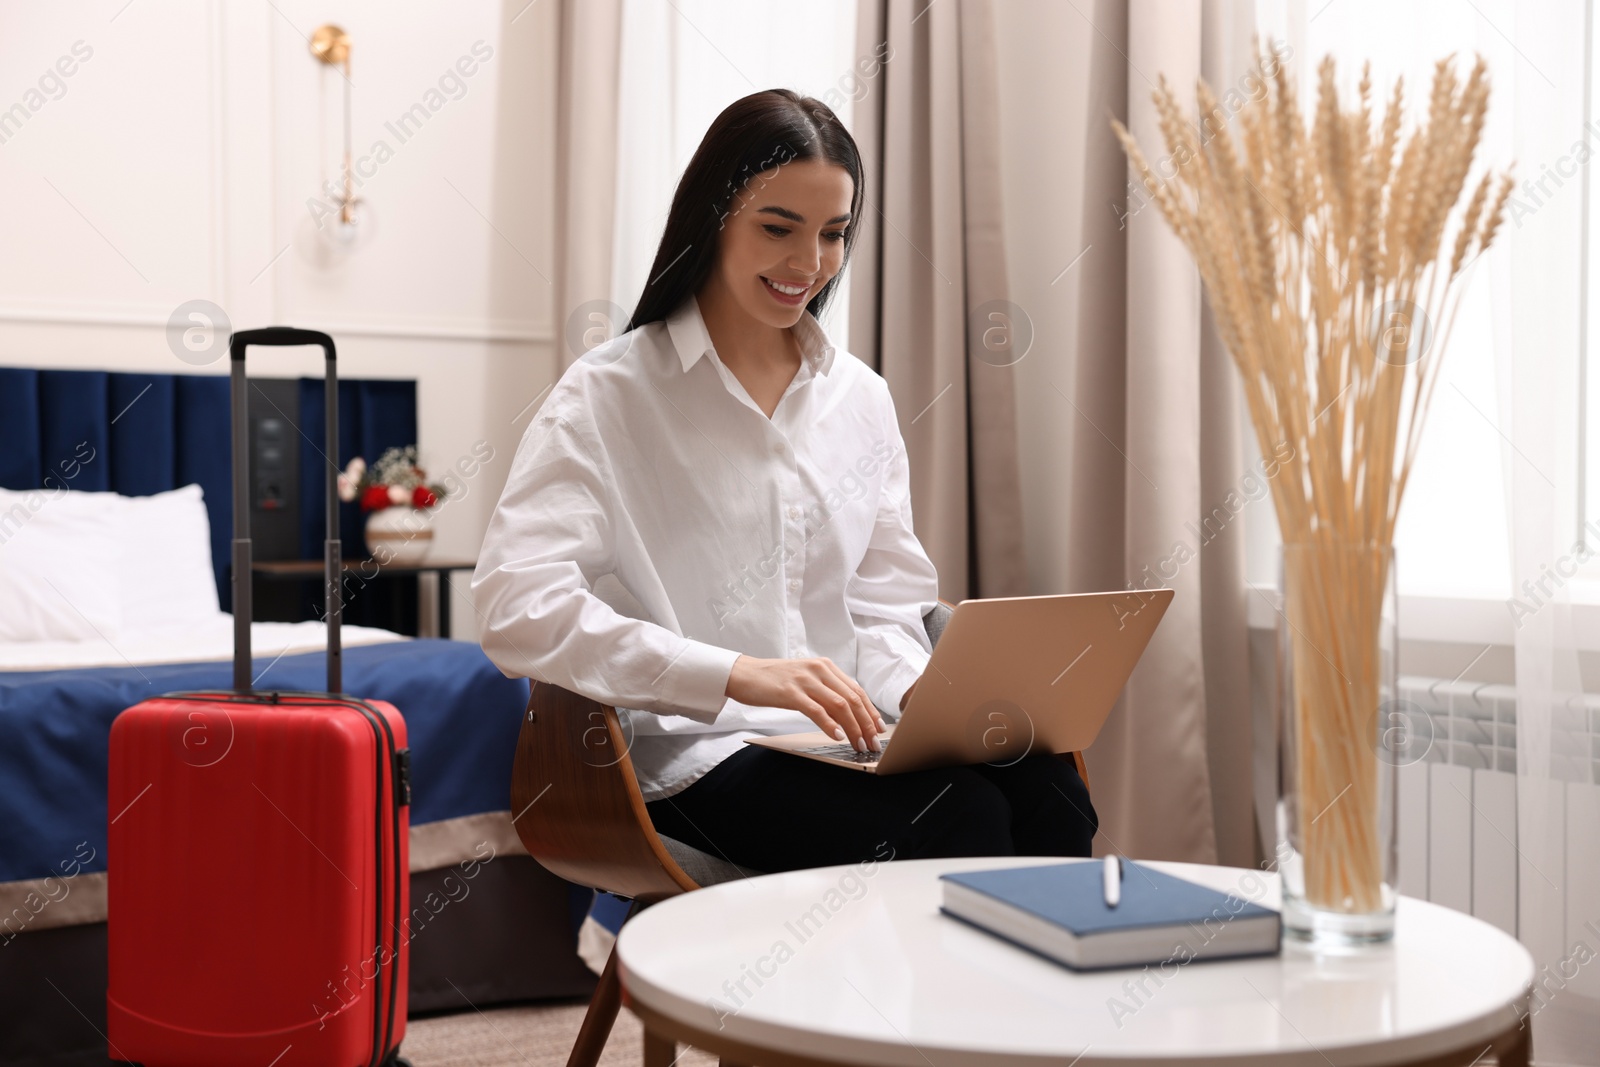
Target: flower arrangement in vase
{"x":399,"y":502}
{"x":1325,"y":259}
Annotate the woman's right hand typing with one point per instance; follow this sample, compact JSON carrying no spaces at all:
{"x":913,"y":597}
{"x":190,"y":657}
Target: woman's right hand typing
{"x":816,"y":688}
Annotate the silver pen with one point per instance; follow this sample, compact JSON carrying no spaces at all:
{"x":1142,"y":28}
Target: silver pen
{"x":1112,"y":880}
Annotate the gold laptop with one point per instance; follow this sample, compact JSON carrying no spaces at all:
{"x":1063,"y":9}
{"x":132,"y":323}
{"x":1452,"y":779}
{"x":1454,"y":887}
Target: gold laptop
{"x":1009,"y":676}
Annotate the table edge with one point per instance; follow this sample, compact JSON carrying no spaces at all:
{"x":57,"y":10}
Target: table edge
{"x":846,"y":1049}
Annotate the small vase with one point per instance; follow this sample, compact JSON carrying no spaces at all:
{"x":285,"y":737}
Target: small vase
{"x":400,"y":535}
{"x":1338,"y":647}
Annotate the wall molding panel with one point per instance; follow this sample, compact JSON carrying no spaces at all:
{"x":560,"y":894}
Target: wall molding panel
{"x":176,"y":162}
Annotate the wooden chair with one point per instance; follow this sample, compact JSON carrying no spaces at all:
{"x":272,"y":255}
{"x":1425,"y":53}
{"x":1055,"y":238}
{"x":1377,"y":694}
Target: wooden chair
{"x":581,"y":815}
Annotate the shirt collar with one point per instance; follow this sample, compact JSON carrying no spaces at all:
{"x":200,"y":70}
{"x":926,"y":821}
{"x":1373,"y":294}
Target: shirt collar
{"x":690,"y":337}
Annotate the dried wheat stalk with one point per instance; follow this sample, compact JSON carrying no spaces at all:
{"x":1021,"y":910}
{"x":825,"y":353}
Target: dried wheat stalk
{"x":1325,"y":264}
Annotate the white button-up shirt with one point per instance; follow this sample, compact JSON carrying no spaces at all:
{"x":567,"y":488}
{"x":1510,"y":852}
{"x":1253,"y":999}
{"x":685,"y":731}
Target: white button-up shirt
{"x":656,"y":524}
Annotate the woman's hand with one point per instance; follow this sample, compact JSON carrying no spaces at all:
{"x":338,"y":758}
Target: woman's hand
{"x":816,"y":688}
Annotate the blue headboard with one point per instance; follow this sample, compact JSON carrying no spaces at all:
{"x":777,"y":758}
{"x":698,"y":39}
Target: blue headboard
{"x":153,"y":432}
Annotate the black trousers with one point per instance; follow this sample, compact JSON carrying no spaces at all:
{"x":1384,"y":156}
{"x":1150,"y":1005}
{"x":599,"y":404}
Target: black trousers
{"x":772,"y":811}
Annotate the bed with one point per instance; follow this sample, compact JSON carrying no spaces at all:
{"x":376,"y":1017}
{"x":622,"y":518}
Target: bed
{"x":82,"y":450}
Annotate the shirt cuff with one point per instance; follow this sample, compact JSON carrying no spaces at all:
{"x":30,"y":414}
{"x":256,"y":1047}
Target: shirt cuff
{"x":901,"y":676}
{"x":696,"y":683}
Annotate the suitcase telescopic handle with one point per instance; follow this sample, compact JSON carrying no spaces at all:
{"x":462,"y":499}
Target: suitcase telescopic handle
{"x":281,"y":337}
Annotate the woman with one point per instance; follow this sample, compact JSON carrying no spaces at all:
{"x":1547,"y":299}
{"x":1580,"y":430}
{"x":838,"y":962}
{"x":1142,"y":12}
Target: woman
{"x":746,"y":484}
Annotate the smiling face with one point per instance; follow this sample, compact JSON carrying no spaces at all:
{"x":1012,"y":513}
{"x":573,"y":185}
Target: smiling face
{"x":783,"y":240}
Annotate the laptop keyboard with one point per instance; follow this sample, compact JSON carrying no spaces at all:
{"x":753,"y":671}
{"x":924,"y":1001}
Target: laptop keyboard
{"x":848,"y":752}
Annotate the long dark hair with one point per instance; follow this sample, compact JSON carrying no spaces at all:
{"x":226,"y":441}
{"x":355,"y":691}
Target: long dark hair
{"x":750,"y":137}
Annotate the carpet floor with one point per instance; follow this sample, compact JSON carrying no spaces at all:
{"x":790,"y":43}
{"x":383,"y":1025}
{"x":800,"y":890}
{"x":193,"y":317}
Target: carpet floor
{"x":533,"y":1035}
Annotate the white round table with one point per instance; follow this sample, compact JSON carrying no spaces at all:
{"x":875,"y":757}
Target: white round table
{"x":856,"y":965}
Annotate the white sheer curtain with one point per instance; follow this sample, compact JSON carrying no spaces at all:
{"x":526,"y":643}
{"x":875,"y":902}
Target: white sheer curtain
{"x":1438,"y":550}
{"x":1494,"y":498}
{"x":683,"y":61}
{"x":1539,"y":297}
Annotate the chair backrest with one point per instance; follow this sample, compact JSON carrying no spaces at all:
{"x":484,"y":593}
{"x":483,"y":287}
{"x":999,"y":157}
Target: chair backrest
{"x":576,"y":802}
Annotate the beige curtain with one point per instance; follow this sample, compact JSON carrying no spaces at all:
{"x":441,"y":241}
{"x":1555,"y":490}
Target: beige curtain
{"x":1244,"y":835}
{"x":927,"y":275}
{"x":1172,"y":768}
{"x":587,"y":111}
{"x":1147,"y":444}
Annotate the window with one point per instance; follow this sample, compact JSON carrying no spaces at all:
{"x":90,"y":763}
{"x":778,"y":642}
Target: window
{"x":1451,"y":538}
{"x":682,"y":63}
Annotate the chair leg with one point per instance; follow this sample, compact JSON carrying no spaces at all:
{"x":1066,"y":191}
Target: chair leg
{"x":600,"y":1017}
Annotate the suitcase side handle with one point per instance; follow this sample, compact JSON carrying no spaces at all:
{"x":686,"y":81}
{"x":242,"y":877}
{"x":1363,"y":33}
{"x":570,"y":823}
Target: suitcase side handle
{"x":280,"y":337}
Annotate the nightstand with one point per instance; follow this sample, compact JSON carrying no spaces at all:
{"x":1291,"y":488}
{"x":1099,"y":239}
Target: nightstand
{"x":360,"y":571}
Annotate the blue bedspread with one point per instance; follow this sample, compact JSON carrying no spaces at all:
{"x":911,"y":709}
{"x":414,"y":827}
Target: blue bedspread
{"x":462,"y":717}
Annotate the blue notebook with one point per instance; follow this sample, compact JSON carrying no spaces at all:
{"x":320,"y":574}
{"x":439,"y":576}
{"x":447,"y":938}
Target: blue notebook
{"x":1059,"y":911}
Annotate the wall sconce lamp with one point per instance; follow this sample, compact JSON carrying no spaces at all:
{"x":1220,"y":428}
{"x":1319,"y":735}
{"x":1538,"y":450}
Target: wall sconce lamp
{"x":352,"y":222}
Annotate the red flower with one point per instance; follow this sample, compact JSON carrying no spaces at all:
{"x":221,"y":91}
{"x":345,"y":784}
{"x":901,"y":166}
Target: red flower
{"x":376,"y":498}
{"x":422,"y":497}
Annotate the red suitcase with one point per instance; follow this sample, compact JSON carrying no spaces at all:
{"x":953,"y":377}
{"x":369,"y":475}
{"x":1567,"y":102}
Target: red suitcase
{"x":258,"y":876}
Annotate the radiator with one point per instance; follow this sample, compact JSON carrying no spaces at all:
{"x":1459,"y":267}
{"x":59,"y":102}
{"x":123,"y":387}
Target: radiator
{"x":1458,"y":812}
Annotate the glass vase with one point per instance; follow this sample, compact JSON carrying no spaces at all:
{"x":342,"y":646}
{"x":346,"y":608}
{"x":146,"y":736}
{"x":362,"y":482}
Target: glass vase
{"x":1338,"y":647}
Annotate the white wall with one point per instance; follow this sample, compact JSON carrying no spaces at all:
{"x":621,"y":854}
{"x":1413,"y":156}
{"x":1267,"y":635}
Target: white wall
{"x":176,"y":161}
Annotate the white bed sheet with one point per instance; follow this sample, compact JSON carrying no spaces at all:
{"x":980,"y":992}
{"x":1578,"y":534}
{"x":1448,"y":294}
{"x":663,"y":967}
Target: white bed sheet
{"x":205,"y":639}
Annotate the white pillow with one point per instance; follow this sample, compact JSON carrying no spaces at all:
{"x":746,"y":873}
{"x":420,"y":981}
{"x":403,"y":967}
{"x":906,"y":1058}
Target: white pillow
{"x":61,"y":562}
{"x":166,"y":541}
{"x":75,"y":566}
